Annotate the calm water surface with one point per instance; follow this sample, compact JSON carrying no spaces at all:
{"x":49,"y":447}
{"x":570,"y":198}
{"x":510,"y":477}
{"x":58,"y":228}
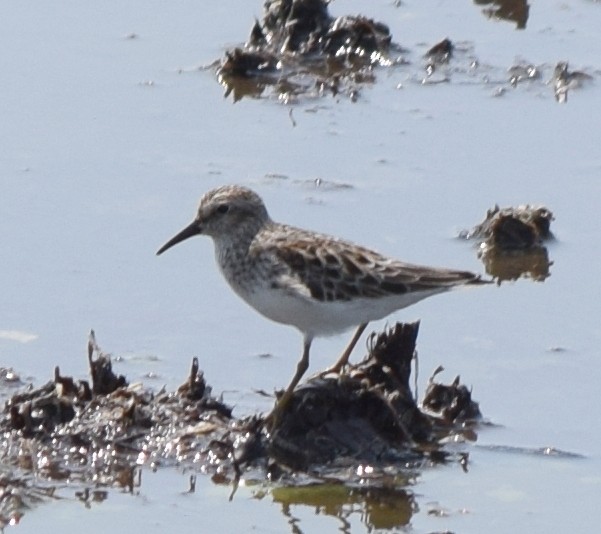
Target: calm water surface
{"x":111,"y":133}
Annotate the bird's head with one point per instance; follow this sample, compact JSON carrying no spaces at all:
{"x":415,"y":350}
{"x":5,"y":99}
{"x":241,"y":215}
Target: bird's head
{"x":225,"y":213}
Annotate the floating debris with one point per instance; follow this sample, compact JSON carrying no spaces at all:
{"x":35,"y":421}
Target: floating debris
{"x":511,"y":242}
{"x":439,"y":54}
{"x":512,"y":10}
{"x":298,"y":48}
{"x":514,"y":228}
{"x":523,"y":72}
{"x":452,"y":403}
{"x":564,"y":80}
{"x":247,"y":64}
{"x":299,"y":51}
{"x":8,"y":376}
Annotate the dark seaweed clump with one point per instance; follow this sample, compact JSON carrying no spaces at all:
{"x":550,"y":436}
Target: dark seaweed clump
{"x":511,"y":242}
{"x":96,"y":435}
{"x":370,"y":414}
{"x":299,"y":48}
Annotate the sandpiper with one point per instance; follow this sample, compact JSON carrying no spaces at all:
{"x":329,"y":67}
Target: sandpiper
{"x":319,"y":284}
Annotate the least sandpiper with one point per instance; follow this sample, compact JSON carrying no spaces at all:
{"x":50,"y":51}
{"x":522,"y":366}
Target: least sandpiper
{"x":319,"y":284}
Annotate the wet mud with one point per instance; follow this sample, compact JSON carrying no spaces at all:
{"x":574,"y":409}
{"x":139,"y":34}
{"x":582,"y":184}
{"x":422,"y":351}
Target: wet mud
{"x":95,"y":435}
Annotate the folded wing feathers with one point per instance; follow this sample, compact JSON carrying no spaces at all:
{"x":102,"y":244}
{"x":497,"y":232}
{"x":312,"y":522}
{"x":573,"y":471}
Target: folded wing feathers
{"x":331,"y":272}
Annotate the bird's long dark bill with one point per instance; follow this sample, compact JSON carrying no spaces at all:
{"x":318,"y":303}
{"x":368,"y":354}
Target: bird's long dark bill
{"x":189,"y":231}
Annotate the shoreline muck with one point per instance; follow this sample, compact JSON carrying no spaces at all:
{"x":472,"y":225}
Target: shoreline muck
{"x":100,"y":434}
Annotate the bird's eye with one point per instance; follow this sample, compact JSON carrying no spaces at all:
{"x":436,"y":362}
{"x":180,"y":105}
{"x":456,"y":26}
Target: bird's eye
{"x":223,"y":208}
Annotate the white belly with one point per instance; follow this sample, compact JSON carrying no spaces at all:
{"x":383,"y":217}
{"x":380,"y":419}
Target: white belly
{"x":317,"y":318}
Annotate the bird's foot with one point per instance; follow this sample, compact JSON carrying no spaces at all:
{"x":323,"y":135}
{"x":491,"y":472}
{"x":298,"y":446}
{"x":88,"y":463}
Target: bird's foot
{"x":336,"y":369}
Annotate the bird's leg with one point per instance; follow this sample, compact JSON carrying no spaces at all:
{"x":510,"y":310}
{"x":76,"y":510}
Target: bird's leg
{"x":343,"y":360}
{"x":282,"y":403}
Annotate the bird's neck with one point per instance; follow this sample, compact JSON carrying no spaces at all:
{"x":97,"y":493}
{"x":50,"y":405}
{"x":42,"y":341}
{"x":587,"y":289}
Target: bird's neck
{"x":234,"y":255}
{"x":232,"y":252}
{"x":238,"y":241}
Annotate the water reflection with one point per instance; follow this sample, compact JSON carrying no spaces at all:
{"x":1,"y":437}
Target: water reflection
{"x":512,"y":10}
{"x":376,"y":508}
{"x":239,"y":88}
{"x":505,"y":266}
{"x":295,"y":79}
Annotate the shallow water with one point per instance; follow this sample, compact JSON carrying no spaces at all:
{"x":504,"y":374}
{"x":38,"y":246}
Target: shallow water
{"x":109,"y":139}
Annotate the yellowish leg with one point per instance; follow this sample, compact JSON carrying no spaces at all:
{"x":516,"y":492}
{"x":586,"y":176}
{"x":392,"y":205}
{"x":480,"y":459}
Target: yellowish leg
{"x":282,"y":403}
{"x":302,"y":366}
{"x":343,"y":360}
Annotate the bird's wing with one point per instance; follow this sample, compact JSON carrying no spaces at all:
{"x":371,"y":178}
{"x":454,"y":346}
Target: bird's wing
{"x":328,"y":269}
